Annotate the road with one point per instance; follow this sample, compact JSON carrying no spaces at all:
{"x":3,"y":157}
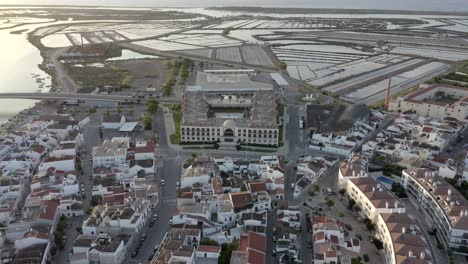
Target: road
{"x":68,"y":96}
{"x":67,"y":84}
{"x":169,"y":169}
{"x":91,"y":133}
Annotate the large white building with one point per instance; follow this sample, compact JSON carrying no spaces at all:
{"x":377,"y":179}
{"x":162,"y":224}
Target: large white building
{"x":111,"y":153}
{"x":437,"y":100}
{"x":229,"y":109}
{"x":445,"y":207}
{"x":401,"y":236}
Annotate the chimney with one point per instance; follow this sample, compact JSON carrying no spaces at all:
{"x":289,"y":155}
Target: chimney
{"x":423,"y":255}
{"x":386,"y":204}
{"x":387,"y":97}
{"x":403,"y":230}
{"x":410,"y":253}
{"x":466,"y":213}
{"x":373,"y":189}
{"x":396,"y":204}
{"x":461,"y":213}
{"x":449,"y":192}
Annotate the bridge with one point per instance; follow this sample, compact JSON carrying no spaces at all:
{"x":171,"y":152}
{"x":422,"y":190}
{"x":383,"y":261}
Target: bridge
{"x":68,"y":96}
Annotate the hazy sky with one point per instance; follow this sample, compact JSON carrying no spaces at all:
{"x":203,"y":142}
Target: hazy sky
{"x":440,"y":5}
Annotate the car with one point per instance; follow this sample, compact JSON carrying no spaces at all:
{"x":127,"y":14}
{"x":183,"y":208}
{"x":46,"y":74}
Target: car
{"x":170,"y":221}
{"x":150,"y":257}
{"x":155,"y":216}
{"x":273,"y":252}
{"x":365,"y":257}
{"x":178,"y":184}
{"x":134,"y":253}
{"x":358,"y":236}
{"x":163,"y":182}
{"x":346,"y":233}
{"x":349,"y":227}
{"x":82,"y":185}
{"x":143,"y":238}
{"x":273,"y":238}
{"x":310,"y":244}
{"x":151,"y":224}
{"x":156,"y":248}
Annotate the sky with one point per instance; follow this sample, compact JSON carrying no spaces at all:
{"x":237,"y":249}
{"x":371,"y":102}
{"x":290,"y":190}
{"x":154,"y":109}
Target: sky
{"x":432,"y":5}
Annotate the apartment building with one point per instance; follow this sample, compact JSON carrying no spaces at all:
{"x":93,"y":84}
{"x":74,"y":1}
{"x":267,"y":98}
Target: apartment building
{"x":445,"y":207}
{"x":385,"y":211}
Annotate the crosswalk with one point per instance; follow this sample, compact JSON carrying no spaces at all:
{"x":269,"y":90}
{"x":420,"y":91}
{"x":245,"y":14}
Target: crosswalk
{"x":169,"y":201}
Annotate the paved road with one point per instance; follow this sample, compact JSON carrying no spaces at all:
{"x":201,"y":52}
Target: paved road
{"x":67,"y":84}
{"x":91,"y":134}
{"x":68,"y":96}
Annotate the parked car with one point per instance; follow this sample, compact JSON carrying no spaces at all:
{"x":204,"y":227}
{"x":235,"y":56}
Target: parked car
{"x":156,"y":248}
{"x":310,"y":244}
{"x":143,"y":237}
{"x":170,"y":221}
{"x":358,"y":236}
{"x":151,"y":224}
{"x":365,"y":257}
{"x":349,"y":227}
{"x":163,"y":182}
{"x":134,"y":253}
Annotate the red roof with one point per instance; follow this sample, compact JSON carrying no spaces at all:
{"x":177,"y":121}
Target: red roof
{"x":334,"y":239}
{"x":212,"y":249}
{"x":217,"y":187}
{"x":330,"y":254}
{"x":255,"y":257}
{"x":243,"y":243}
{"x":257,"y":187}
{"x":257,"y":241}
{"x":60,"y":158}
{"x":147,"y":149}
{"x":427,"y":129}
{"x":240,"y":199}
{"x":50,"y":207}
{"x":38,"y":148}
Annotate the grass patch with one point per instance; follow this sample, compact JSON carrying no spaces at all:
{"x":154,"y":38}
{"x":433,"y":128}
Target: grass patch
{"x":110,"y":74}
{"x":176,"y":116}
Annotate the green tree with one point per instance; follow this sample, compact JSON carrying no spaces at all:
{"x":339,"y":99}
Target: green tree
{"x":226,"y":252}
{"x":96,"y":200}
{"x":147,"y":120}
{"x":283,"y":65}
{"x":329,"y":201}
{"x":152,"y":106}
